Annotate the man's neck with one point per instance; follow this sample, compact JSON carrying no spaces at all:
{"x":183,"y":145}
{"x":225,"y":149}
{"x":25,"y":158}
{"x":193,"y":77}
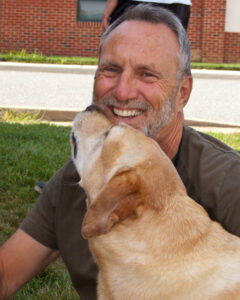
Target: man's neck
{"x":170,"y":137}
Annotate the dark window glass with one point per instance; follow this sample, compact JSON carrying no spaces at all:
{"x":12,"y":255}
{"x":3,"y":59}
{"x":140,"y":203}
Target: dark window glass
{"x":90,"y":10}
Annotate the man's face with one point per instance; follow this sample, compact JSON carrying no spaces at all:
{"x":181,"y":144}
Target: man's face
{"x":136,"y":78}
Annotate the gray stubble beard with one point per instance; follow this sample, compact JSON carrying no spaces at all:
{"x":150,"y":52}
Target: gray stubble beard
{"x":154,"y":125}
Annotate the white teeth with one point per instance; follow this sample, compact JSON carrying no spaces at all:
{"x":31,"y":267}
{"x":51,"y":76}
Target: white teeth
{"x":126,"y":113}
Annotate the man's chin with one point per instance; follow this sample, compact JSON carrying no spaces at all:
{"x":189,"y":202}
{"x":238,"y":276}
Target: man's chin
{"x":138,"y":122}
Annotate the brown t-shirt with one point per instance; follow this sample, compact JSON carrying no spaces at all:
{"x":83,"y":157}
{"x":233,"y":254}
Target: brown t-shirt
{"x":209,"y":169}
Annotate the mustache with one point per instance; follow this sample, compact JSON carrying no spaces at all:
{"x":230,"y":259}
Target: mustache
{"x":131,"y":103}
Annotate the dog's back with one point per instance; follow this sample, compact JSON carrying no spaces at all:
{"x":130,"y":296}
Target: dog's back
{"x":167,"y":256}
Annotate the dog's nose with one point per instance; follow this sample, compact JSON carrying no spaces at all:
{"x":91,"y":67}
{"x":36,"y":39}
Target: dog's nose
{"x":96,"y":108}
{"x":92,"y":108}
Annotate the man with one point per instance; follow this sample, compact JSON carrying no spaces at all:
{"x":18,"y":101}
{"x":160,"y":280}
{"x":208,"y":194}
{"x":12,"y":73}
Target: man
{"x":143,"y":79}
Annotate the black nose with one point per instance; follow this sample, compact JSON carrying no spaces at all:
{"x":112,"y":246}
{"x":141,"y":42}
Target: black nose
{"x":96,"y":108}
{"x":92,"y":108}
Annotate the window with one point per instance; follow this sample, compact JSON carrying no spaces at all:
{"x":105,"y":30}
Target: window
{"x":232,"y":20}
{"x":90,"y":10}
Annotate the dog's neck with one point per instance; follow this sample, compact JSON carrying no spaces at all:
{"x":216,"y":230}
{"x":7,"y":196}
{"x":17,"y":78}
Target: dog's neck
{"x":173,"y":225}
{"x":153,"y":234}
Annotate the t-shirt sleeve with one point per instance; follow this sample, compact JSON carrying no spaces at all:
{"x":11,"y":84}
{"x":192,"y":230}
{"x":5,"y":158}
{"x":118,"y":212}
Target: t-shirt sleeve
{"x":39,"y":222}
{"x":229,"y":199}
{"x":210,"y":170}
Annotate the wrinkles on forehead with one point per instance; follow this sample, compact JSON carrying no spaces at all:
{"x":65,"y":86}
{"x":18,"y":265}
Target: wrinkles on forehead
{"x":154,"y":46}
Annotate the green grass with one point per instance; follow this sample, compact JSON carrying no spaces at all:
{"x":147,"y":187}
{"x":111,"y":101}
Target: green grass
{"x":36,"y":57}
{"x":52,"y":284}
{"x":32,"y":152}
{"x":213,"y":66}
{"x":29,"y":153}
{"x":233,"y":140}
{"x":11,"y":115}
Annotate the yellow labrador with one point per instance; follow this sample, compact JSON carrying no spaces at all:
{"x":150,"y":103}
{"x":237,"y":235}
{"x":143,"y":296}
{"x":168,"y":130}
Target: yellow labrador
{"x":149,"y":239}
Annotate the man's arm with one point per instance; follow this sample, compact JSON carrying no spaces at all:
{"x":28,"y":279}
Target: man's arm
{"x":21,"y":258}
{"x":109,"y":8}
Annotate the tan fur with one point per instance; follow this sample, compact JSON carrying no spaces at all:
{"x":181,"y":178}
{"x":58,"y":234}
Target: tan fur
{"x":149,"y":239}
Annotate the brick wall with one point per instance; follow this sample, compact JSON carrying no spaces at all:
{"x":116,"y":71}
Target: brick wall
{"x":195,"y":29}
{"x":232,"y":47}
{"x":51,"y":28}
{"x":209,"y":42}
{"x":47,"y":26}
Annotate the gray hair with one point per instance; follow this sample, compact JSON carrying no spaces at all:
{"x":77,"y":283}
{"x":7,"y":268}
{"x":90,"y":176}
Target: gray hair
{"x":157,"y":15}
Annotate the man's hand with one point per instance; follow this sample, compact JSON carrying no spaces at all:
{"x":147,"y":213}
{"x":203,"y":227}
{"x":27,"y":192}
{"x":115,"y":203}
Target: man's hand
{"x":109,"y":8}
{"x":21,"y":258}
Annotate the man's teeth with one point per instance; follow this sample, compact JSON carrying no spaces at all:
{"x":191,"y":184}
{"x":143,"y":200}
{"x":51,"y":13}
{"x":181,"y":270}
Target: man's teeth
{"x":126,"y":113}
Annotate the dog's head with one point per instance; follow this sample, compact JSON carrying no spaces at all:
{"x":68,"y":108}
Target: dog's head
{"x":121,"y":170}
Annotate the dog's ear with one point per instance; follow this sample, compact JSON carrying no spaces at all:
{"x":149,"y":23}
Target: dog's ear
{"x":119,"y":199}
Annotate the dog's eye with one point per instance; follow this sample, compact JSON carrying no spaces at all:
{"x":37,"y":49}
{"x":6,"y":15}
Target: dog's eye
{"x":106,"y":133}
{"x":74,"y":145}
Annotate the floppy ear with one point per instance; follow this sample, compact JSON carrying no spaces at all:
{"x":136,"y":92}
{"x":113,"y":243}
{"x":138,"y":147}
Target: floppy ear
{"x":118,"y":200}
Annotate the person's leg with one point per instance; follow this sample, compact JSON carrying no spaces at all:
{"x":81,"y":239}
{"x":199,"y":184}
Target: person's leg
{"x":121,"y":7}
{"x":182,"y":11}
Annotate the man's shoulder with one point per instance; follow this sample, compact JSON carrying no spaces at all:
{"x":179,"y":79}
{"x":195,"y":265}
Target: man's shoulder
{"x":202,"y":142}
{"x":67,"y":173}
{"x":210,"y":171}
{"x":205,"y":159}
{"x":66,"y":176}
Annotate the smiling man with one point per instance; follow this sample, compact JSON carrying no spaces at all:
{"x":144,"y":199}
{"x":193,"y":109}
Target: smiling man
{"x":142,"y":85}
{"x":143,"y":79}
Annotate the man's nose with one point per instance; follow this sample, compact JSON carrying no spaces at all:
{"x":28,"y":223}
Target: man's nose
{"x":126,"y":87}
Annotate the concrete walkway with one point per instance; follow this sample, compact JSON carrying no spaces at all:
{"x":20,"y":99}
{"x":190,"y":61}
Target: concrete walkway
{"x":60,"y":91}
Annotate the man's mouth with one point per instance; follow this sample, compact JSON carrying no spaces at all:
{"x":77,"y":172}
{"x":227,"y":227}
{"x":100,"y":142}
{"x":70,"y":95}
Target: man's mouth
{"x":126,"y":113}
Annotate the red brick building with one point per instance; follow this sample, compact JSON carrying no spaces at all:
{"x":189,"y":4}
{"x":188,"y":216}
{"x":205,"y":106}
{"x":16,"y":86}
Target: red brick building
{"x":53,"y":27}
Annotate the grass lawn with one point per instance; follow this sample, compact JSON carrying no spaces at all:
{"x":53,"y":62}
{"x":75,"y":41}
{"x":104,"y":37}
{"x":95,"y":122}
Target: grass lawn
{"x":23,"y":56}
{"x":29,"y":153}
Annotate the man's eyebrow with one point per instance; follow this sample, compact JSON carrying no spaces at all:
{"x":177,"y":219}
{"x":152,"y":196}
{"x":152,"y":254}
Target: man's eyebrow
{"x":108,"y":64}
{"x":141,"y":67}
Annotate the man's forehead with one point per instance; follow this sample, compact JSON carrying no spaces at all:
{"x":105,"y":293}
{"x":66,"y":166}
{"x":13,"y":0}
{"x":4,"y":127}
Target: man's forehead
{"x":143,"y":34}
{"x":146,"y":40}
{"x":131,"y":26}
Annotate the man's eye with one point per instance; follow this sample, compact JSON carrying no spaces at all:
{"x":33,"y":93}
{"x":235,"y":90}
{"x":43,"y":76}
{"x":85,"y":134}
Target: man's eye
{"x":110,"y":71}
{"x":146,"y":74}
{"x":148,"y":77}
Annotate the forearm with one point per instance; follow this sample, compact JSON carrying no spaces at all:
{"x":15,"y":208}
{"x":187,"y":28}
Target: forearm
{"x":21,"y":258}
{"x":3,"y":286}
{"x":109,"y":8}
{"x":9,"y":286}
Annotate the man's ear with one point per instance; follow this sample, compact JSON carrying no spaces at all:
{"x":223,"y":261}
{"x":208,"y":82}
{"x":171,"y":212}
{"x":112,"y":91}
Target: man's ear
{"x":118,"y":200}
{"x":184,"y":92}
